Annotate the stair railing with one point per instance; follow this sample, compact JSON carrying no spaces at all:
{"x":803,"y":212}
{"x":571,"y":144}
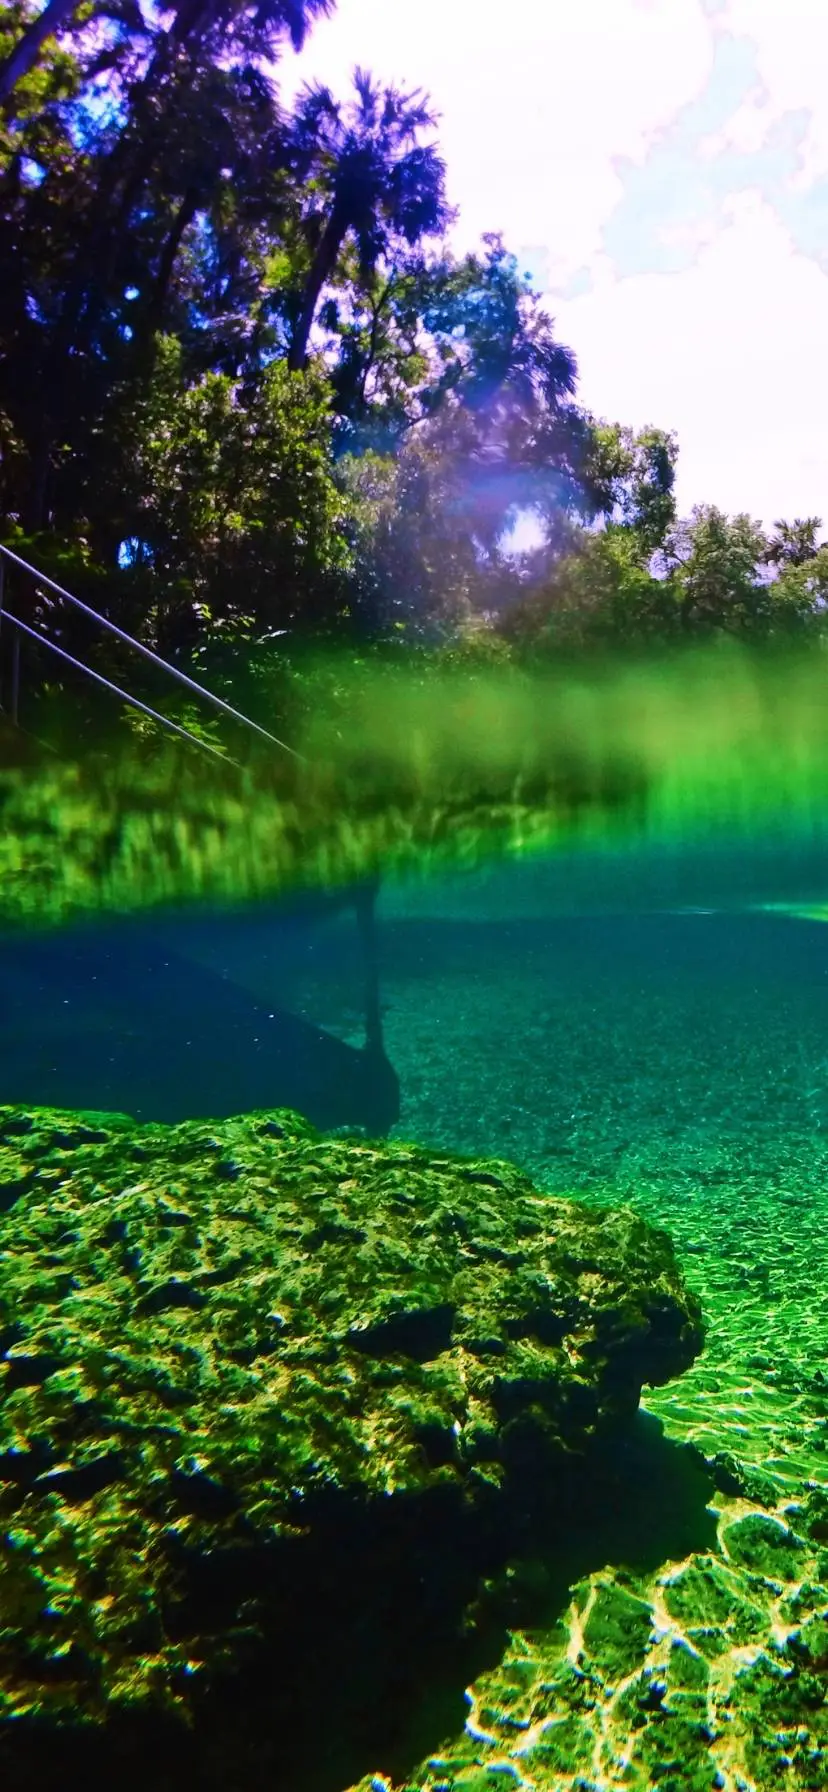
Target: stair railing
{"x":7,"y":555}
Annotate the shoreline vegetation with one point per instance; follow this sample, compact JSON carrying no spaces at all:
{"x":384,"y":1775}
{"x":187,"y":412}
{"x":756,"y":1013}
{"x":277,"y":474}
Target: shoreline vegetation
{"x":251,"y":395}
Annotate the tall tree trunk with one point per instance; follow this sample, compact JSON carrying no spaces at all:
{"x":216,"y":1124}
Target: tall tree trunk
{"x":376,"y":313}
{"x":167,"y":260}
{"x":22,"y":57}
{"x":321,"y":269}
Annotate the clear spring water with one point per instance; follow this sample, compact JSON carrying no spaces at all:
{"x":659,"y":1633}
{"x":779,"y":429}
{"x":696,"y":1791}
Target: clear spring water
{"x":546,"y":1009}
{"x":643,"y":1027}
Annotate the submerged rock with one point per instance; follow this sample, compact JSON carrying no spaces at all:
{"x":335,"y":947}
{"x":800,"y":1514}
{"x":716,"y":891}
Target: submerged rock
{"x":240,"y":1361}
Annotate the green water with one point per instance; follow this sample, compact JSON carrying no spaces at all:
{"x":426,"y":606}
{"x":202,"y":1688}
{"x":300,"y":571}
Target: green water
{"x":635,"y":1017}
{"x":635,"y":1028}
{"x":676,"y":1060}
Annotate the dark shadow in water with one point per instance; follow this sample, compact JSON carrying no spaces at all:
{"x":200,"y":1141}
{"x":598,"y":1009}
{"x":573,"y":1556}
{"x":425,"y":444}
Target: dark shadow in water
{"x":117,"y":1020}
{"x":359,"y":1650}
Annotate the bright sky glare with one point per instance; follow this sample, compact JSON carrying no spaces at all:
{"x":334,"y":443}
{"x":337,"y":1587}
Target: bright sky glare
{"x":661,"y":168}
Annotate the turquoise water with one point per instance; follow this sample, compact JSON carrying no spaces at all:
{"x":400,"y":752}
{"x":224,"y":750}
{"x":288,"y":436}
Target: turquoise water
{"x":630,"y":1028}
{"x":569,"y":1006}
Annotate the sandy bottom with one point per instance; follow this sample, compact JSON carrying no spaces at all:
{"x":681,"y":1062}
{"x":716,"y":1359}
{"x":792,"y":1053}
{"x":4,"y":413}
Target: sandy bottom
{"x":678,"y":1063}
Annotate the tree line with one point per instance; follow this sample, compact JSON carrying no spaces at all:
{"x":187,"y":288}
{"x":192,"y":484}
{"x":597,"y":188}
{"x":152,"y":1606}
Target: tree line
{"x":248,"y":390}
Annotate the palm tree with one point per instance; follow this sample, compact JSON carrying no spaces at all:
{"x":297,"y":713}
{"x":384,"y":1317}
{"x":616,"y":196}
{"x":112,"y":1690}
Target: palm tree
{"x":794,"y":543}
{"x":267,"y":20}
{"x":377,"y":183}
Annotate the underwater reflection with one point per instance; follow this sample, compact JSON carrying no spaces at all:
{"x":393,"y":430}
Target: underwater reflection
{"x":147,"y":1020}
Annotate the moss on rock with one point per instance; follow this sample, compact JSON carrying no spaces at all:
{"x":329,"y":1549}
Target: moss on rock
{"x":219,"y":1341}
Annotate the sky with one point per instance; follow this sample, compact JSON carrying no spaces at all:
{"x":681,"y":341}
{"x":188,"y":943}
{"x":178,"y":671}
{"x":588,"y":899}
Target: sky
{"x":660,"y":167}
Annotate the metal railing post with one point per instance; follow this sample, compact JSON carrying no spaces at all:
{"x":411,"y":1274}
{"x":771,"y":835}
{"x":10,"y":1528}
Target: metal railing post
{"x":15,"y":687}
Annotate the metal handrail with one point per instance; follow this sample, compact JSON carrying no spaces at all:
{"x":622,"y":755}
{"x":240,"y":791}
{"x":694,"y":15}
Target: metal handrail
{"x":182,"y":677}
{"x":134,"y":702}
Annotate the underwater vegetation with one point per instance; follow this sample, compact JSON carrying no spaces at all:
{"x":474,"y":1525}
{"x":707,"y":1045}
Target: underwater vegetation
{"x":713,"y":1674}
{"x":249,"y":1371}
{"x":294,"y":1423}
{"x":654,"y":1062}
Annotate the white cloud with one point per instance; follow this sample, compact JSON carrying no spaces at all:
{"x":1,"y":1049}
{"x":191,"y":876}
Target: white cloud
{"x":724,"y":354}
{"x":745,"y":131}
{"x":537,"y":101}
{"x":541,"y":105}
{"x":791,"y":39}
{"x":690,"y":238}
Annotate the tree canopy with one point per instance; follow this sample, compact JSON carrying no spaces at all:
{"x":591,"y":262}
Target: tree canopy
{"x":247,"y":385}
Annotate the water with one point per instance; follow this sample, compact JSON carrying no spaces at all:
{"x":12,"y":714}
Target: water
{"x":634,"y":1028}
{"x":189,"y":1017}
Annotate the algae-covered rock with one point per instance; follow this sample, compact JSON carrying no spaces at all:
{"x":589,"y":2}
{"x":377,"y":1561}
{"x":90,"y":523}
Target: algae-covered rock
{"x":217,"y":1341}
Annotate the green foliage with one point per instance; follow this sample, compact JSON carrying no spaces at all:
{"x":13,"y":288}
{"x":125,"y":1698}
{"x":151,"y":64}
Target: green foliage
{"x":232,"y":503}
{"x":462,"y":350}
{"x":177,"y":244}
{"x":706,"y":578}
{"x":633,"y":475}
{"x":800,"y":593}
{"x":419,"y":574}
{"x":193,"y":208}
{"x":713,"y":561}
{"x":600,"y":594}
{"x":793,"y":544}
{"x":716,"y":564}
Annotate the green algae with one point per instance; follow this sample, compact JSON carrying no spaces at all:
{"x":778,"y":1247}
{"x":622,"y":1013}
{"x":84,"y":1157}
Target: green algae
{"x":726,"y":1680}
{"x":665,"y":1698}
{"x":615,"y":1631}
{"x":123,"y":836}
{"x":710,"y":1605}
{"x":218,"y":1341}
{"x":711,"y":1666}
{"x":763,"y":1546}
